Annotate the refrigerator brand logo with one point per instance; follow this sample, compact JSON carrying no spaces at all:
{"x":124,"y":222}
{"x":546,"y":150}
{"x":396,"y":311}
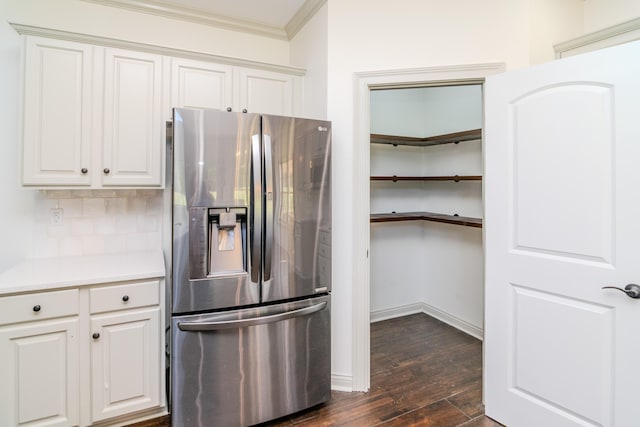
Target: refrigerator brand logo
{"x":322,"y":129}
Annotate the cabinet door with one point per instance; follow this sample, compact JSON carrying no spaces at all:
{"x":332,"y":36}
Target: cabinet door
{"x":197,"y":84}
{"x":132,"y":134}
{"x":57,"y":116}
{"x":125,"y":363}
{"x":265,"y":92}
{"x":39,"y":371}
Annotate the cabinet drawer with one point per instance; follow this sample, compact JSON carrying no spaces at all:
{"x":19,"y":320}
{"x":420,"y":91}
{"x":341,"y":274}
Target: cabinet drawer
{"x":128,"y":295}
{"x":38,"y":306}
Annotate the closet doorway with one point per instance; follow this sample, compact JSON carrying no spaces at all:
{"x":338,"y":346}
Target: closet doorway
{"x":426,"y":204}
{"x":419,"y":200}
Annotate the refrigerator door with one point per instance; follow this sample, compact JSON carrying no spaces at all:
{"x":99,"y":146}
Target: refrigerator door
{"x":243,"y":367}
{"x":217,"y":209}
{"x":297,"y":203}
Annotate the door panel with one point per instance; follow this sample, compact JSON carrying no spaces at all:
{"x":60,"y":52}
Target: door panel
{"x":39,"y":371}
{"x":57,"y":131}
{"x":213,"y":168}
{"x":554,"y":353}
{"x":265,"y":92}
{"x":252,"y":368}
{"x":132,"y":119}
{"x":577,"y":162}
{"x":125,"y":363}
{"x":297,"y":258}
{"x":561,"y":155}
{"x":197,"y":84}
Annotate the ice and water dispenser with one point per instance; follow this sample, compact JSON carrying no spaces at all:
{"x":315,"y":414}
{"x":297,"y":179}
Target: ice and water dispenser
{"x":218,"y":242}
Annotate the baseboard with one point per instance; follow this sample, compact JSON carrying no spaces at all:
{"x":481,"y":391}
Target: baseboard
{"x":392,"y":313}
{"x":341,"y":382}
{"x":422,"y":307}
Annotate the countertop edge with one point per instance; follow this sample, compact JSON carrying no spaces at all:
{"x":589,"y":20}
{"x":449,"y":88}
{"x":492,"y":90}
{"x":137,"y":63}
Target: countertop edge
{"x":41,"y":274}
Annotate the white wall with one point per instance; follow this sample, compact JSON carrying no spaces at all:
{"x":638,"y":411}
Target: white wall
{"x":599,"y":14}
{"x":309,"y":51}
{"x":369,"y":35}
{"x":550,"y":22}
{"x":17,"y":204}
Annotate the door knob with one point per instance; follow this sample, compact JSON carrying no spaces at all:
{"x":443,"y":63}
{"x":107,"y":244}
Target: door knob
{"x":632,"y":290}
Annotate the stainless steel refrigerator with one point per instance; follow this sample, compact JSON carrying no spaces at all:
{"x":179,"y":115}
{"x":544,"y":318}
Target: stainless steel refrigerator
{"x":251,"y":267}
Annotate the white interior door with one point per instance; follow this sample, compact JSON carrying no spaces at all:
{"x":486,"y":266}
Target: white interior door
{"x":562,"y":165}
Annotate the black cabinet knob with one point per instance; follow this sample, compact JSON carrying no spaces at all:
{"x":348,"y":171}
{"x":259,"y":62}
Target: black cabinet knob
{"x":106,"y":170}
{"x":84,"y":170}
{"x":125,"y":298}
{"x":229,"y":109}
{"x":244,"y":110}
{"x":95,"y":336}
{"x":36,"y":308}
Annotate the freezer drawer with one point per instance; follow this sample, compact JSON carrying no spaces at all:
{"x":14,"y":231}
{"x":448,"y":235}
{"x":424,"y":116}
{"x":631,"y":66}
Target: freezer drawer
{"x":243,"y":367}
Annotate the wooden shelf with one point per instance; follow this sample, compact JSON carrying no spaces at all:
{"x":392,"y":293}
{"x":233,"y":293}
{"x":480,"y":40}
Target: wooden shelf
{"x":455,"y":178}
{"x":449,"y":138}
{"x":427,"y":216}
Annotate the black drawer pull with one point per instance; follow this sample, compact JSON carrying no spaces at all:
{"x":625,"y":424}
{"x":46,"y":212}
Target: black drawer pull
{"x":95,"y":336}
{"x":36,"y":308}
{"x":125,"y":298}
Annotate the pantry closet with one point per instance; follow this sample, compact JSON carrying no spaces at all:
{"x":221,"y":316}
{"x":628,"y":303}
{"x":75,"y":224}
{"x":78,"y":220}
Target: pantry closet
{"x":426,"y":203}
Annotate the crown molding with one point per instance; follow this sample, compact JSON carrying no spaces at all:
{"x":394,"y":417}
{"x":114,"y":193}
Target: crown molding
{"x":28,"y":30}
{"x":159,"y":8}
{"x":610,"y":36}
{"x":302,"y":16}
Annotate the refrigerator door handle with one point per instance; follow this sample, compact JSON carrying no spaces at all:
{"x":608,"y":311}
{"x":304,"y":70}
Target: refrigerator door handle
{"x":256,"y":216}
{"x":243,"y":323}
{"x":268,"y":232}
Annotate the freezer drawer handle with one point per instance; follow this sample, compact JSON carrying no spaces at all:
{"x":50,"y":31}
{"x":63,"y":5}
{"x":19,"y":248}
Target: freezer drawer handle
{"x":243,"y":323}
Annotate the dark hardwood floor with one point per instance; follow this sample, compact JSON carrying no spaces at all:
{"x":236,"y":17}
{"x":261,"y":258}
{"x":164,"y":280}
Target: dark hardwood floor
{"x":423,"y":373}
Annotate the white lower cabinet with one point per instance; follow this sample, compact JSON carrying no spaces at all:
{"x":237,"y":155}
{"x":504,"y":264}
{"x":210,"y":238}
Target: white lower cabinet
{"x":124,"y":363}
{"x":39,"y":355}
{"x":39,"y":371}
{"x":45,"y":355}
{"x":125,"y":349}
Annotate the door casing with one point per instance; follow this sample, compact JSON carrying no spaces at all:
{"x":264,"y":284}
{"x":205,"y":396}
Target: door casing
{"x":364,"y":82}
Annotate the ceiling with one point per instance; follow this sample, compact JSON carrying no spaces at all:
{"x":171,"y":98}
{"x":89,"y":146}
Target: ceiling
{"x":273,"y":18}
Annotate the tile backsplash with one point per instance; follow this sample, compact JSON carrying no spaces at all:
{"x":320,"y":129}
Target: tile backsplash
{"x":98,"y":222}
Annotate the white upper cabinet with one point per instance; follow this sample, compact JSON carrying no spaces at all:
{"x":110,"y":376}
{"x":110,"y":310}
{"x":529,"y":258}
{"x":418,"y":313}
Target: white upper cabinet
{"x":200,"y":84}
{"x":266,"y":92}
{"x":132,"y":134}
{"x":94,"y":112}
{"x":57,"y":114}
{"x":93,"y":116}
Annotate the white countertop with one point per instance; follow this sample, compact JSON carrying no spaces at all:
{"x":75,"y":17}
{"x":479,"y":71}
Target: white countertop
{"x":62,"y":272}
